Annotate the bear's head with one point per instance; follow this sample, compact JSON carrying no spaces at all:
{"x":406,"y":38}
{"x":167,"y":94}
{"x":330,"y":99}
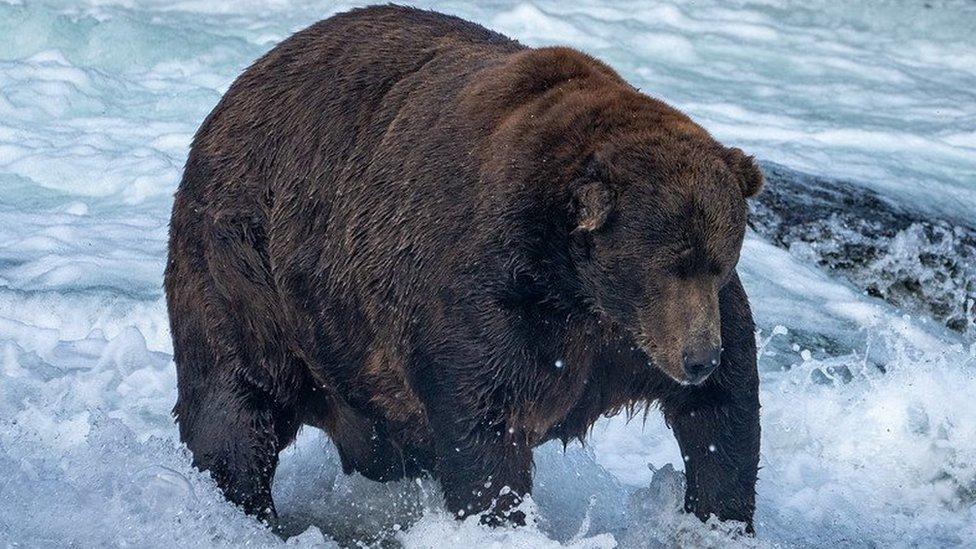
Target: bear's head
{"x":659,"y":222}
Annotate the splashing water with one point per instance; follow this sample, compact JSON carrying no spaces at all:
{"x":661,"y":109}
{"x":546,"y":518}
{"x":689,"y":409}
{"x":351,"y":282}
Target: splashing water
{"x":869,"y":430}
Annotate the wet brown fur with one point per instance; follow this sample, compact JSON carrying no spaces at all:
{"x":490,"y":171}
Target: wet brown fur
{"x":394,"y":225}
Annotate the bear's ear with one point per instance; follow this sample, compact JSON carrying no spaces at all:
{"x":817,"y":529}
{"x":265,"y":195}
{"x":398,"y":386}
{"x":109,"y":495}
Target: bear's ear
{"x":592,"y":202}
{"x":745,"y":170}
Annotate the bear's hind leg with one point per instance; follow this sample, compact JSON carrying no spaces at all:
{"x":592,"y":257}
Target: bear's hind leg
{"x":235,"y":431}
{"x":229,"y":412}
{"x":363,"y":445}
{"x":238,"y":385}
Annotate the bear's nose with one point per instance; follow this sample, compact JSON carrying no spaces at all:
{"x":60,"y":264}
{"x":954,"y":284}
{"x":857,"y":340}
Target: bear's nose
{"x":699,"y":363}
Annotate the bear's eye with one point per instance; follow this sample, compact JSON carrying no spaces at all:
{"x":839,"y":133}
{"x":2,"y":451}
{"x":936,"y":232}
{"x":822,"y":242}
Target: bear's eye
{"x":724,"y":274}
{"x":685,"y":261}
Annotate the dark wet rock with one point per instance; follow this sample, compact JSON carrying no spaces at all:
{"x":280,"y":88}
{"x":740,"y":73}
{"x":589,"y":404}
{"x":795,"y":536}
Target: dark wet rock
{"x":920,"y":264}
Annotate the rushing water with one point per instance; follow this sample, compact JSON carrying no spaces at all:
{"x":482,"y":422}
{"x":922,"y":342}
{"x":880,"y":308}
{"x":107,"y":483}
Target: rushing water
{"x":869,"y":423}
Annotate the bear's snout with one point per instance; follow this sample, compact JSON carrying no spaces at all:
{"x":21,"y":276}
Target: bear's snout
{"x":700,"y":362}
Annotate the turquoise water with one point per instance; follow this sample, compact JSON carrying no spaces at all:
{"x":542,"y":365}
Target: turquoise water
{"x":99,"y":101}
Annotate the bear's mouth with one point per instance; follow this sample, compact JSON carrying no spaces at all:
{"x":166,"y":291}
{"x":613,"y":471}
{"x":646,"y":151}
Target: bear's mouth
{"x":665,"y":362}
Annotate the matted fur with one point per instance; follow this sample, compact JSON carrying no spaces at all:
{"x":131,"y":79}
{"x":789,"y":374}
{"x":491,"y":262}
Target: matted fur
{"x":445,"y":248}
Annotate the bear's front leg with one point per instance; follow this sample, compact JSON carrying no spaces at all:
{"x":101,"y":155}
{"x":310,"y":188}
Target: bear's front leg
{"x":484,"y":465}
{"x":717,"y":423}
{"x":720,"y":446}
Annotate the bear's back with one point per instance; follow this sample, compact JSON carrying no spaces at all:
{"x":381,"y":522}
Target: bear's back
{"x":305,"y":106}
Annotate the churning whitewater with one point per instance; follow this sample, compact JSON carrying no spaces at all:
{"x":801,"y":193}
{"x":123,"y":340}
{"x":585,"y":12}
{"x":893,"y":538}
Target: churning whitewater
{"x":860,"y":266}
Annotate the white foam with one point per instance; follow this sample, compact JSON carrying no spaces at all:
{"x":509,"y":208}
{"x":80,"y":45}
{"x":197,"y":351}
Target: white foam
{"x":99,"y":103}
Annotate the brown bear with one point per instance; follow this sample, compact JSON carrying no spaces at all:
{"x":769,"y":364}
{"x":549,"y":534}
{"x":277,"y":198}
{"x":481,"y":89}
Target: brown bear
{"x":444,"y":249}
